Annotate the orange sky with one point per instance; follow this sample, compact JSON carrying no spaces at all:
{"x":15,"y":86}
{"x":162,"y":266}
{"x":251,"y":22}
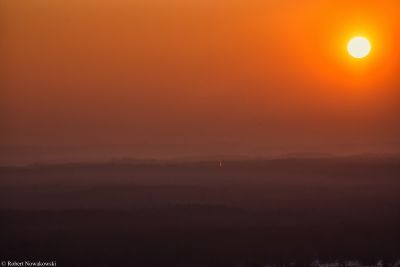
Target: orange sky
{"x":200,"y":77}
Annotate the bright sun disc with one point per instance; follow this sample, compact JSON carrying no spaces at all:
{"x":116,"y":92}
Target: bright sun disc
{"x":359,"y":47}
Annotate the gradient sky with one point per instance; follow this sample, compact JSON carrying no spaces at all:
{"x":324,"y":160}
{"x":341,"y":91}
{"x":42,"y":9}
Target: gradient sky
{"x":199,"y":77}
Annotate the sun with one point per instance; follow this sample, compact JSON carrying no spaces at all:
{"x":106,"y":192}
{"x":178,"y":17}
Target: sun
{"x":359,"y":47}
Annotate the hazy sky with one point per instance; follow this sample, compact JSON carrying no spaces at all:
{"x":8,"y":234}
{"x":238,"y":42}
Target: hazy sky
{"x":200,"y":76}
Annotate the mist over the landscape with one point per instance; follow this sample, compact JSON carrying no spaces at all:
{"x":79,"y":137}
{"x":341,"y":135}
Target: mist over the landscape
{"x":238,"y":213}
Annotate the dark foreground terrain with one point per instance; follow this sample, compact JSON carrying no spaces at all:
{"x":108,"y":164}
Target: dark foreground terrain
{"x":245,"y":213}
